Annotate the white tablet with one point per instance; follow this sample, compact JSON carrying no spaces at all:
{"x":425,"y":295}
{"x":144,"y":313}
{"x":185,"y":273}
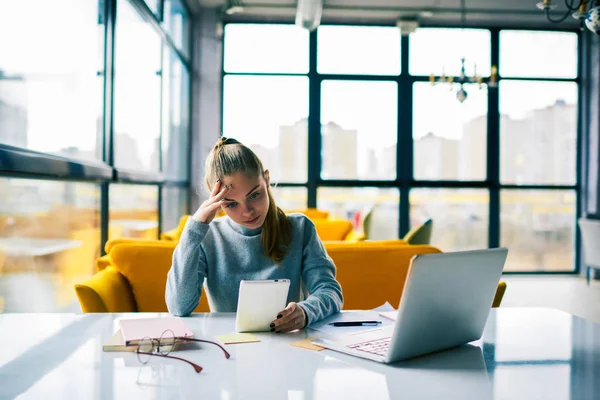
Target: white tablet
{"x":259,"y":302}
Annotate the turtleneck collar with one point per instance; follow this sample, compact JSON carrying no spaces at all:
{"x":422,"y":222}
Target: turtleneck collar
{"x":242,"y":230}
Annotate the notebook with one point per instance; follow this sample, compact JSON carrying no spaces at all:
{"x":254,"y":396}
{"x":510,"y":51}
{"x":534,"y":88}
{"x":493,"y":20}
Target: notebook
{"x":133,"y":330}
{"x":115,"y":343}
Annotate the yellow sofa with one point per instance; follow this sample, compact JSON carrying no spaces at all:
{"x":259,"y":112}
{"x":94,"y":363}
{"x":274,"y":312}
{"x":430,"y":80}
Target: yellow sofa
{"x":370,"y":273}
{"x":135,"y":280}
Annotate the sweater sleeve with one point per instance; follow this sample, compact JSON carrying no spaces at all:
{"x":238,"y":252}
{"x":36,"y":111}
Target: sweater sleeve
{"x":318,"y":275}
{"x":188,"y":271}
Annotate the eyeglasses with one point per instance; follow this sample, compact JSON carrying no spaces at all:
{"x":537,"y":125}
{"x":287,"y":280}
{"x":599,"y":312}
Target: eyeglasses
{"x":162,"y":346}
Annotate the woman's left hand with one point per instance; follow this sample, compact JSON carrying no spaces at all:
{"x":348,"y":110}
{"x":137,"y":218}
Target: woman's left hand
{"x":290,"y":319}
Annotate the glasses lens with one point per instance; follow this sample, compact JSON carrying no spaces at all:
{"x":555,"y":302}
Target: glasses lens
{"x":144,"y":350}
{"x":166,"y":342}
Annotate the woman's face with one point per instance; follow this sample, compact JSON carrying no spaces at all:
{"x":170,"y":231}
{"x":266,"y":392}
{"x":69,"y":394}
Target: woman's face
{"x":247,"y":202}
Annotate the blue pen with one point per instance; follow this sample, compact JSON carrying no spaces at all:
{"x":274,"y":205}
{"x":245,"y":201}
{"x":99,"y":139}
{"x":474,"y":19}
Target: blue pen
{"x":356,"y":323}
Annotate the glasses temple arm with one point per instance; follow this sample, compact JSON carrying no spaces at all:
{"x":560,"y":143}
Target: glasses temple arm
{"x":196,"y":366}
{"x":205,"y":341}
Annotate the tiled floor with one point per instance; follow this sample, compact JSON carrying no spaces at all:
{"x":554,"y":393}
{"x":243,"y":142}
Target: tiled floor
{"x":566,"y":293}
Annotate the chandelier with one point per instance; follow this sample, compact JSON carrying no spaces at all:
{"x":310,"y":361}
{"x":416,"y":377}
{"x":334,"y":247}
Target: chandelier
{"x":462,"y":79}
{"x":578,"y":10}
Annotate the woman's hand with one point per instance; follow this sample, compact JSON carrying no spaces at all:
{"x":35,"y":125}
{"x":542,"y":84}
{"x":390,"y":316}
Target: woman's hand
{"x":290,"y":319}
{"x":207,"y":211}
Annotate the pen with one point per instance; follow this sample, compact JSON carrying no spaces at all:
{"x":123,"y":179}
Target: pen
{"x":356,"y":323}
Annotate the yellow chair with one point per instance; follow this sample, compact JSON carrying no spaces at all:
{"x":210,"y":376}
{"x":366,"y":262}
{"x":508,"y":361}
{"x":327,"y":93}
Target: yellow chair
{"x":134,"y":281}
{"x":421,"y":234}
{"x":333,"y":229}
{"x":311,"y":213}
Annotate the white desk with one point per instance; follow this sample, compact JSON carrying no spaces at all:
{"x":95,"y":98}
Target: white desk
{"x":527,"y":354}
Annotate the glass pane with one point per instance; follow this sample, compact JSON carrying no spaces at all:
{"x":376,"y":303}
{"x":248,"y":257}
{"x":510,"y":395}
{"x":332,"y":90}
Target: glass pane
{"x":51,"y":83}
{"x":460,"y":216}
{"x":358,"y":50}
{"x":49,"y":240}
{"x":538,"y":132}
{"x":175,"y":138}
{"x":137,"y":92}
{"x":177,"y":23}
{"x":175,"y":204}
{"x":269,"y":114}
{"x":133,"y":211}
{"x":534,"y":54}
{"x":290,"y":198}
{"x":538,"y":226}
{"x":265,"y":48}
{"x":439,"y":50}
{"x":449,"y":137}
{"x":372,"y":211}
{"x":359,"y":122}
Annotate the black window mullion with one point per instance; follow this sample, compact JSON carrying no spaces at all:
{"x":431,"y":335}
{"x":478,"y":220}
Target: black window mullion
{"x":110,"y":10}
{"x":493,"y":148}
{"x":404,"y":144}
{"x":314,"y":123}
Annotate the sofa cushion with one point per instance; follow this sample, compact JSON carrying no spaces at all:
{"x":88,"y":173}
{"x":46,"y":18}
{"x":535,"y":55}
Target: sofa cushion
{"x":145,"y":268}
{"x":332,"y":229}
{"x":371,"y":273}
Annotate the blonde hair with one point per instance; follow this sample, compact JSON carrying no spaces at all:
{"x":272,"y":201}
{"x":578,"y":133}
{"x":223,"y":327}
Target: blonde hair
{"x":229,"y":157}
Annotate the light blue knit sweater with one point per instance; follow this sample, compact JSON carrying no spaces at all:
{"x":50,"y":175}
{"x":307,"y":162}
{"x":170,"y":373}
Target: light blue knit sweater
{"x":221,"y":254}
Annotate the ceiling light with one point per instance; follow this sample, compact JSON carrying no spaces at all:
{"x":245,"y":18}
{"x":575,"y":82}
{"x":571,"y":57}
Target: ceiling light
{"x":233,"y":7}
{"x":578,"y":10}
{"x":308,"y":14}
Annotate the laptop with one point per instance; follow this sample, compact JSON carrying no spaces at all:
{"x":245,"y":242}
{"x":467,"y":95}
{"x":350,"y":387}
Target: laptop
{"x":446,"y":301}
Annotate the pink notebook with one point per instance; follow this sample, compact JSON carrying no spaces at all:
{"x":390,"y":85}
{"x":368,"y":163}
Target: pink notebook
{"x":133,"y":330}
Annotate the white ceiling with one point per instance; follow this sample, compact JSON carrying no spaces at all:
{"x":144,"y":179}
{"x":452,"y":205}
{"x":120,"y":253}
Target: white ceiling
{"x":504,"y":13}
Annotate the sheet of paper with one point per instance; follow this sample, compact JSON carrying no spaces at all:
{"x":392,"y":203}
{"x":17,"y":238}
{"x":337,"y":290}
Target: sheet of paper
{"x":384,"y":308}
{"x":306,"y":344}
{"x":335,"y":331}
{"x":236,"y":338}
{"x":390,"y":314}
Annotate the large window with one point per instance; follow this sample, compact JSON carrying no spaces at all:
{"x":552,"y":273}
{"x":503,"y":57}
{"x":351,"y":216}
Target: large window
{"x":90,"y":134}
{"x":49,"y":239}
{"x":51,"y":82}
{"x":394,"y":150}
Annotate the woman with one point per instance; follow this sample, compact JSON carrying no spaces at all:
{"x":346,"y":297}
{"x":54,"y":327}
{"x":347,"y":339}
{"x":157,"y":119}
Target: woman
{"x":255,"y":240}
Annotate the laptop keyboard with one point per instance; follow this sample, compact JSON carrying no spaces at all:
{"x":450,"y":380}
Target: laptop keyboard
{"x":379,"y":346}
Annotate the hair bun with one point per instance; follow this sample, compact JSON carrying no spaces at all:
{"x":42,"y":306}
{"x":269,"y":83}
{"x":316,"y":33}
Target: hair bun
{"x":225,"y":141}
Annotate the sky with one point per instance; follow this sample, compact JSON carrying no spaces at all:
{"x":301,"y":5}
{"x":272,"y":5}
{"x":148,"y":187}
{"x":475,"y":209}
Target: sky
{"x":64,"y":112}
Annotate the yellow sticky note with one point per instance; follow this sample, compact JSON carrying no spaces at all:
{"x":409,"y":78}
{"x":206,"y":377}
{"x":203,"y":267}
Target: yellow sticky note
{"x":237,"y":338}
{"x":306,"y":344}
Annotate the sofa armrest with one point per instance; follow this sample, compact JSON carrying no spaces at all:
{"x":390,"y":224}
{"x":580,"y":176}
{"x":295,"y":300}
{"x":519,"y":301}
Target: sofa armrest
{"x":102,"y":262}
{"x":106,"y":291}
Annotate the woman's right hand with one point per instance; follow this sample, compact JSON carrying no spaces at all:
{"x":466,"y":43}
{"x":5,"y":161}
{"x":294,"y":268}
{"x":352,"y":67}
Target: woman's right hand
{"x":207,"y":211}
